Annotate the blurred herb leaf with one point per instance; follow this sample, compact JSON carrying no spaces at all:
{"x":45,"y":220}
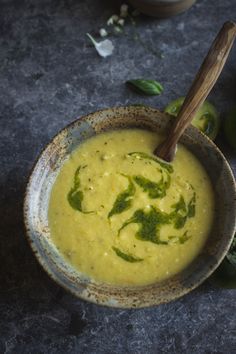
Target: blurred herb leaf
{"x":148,"y":87}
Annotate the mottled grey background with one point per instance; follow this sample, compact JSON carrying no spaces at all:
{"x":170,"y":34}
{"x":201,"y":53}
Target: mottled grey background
{"x":50,"y":74}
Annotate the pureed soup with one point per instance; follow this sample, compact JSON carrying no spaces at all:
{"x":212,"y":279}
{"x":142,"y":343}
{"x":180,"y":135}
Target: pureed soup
{"x":120,"y":215}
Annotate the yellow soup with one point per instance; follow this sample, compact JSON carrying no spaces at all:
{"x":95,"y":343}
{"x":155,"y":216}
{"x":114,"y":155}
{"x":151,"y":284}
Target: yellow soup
{"x":120,"y":215}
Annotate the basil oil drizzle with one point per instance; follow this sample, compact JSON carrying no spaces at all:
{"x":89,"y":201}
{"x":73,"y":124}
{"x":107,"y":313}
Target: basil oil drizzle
{"x":180,"y":213}
{"x":181,"y":239}
{"x":153,"y":189}
{"x":144,"y":155}
{"x":192,"y":206}
{"x":149,"y":224}
{"x":124,"y":199}
{"x":75,"y":196}
{"x":126,"y":257}
{"x":149,"y":221}
{"x":185,"y":237}
{"x":183,"y":211}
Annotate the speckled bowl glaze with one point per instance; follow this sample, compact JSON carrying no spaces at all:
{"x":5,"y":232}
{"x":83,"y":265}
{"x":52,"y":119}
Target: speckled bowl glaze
{"x":46,"y":170}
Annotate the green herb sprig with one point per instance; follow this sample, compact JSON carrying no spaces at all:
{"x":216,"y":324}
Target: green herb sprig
{"x":147,"y":87}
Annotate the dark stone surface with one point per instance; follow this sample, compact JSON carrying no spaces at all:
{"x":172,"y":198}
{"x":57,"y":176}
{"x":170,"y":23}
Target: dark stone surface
{"x":50,"y":74}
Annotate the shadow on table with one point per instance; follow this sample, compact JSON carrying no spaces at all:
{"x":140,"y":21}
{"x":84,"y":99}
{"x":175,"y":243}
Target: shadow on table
{"x":19,"y":271}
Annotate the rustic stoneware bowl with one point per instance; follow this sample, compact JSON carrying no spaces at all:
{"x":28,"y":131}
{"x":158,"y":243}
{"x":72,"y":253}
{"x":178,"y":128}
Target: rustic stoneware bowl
{"x":162,"y":8}
{"x":46,"y":170}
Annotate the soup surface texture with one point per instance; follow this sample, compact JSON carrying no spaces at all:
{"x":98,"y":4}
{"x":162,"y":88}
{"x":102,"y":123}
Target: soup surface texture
{"x":120,"y":215}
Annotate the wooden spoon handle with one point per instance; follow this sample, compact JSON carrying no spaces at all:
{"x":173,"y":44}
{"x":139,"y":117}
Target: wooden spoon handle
{"x":201,"y":87}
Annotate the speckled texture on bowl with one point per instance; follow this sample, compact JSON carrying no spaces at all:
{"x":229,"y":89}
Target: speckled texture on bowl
{"x":44,"y":174}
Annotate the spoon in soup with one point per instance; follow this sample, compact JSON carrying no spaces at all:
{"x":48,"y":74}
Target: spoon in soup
{"x":199,"y":90}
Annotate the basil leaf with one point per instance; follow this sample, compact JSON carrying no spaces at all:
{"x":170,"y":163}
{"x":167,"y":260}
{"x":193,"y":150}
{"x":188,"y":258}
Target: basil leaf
{"x":126,"y":257}
{"x":148,"y":87}
{"x":123,"y":200}
{"x":144,"y":155}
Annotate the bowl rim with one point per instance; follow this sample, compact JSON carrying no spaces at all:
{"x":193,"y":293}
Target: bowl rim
{"x":26,"y":206}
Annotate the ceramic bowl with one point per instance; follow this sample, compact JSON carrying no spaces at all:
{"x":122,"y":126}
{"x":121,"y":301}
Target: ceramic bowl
{"x":162,"y":8}
{"x":47,"y":168}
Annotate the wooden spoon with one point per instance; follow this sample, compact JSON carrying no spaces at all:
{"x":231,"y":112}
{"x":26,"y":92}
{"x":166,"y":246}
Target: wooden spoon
{"x":201,"y":87}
